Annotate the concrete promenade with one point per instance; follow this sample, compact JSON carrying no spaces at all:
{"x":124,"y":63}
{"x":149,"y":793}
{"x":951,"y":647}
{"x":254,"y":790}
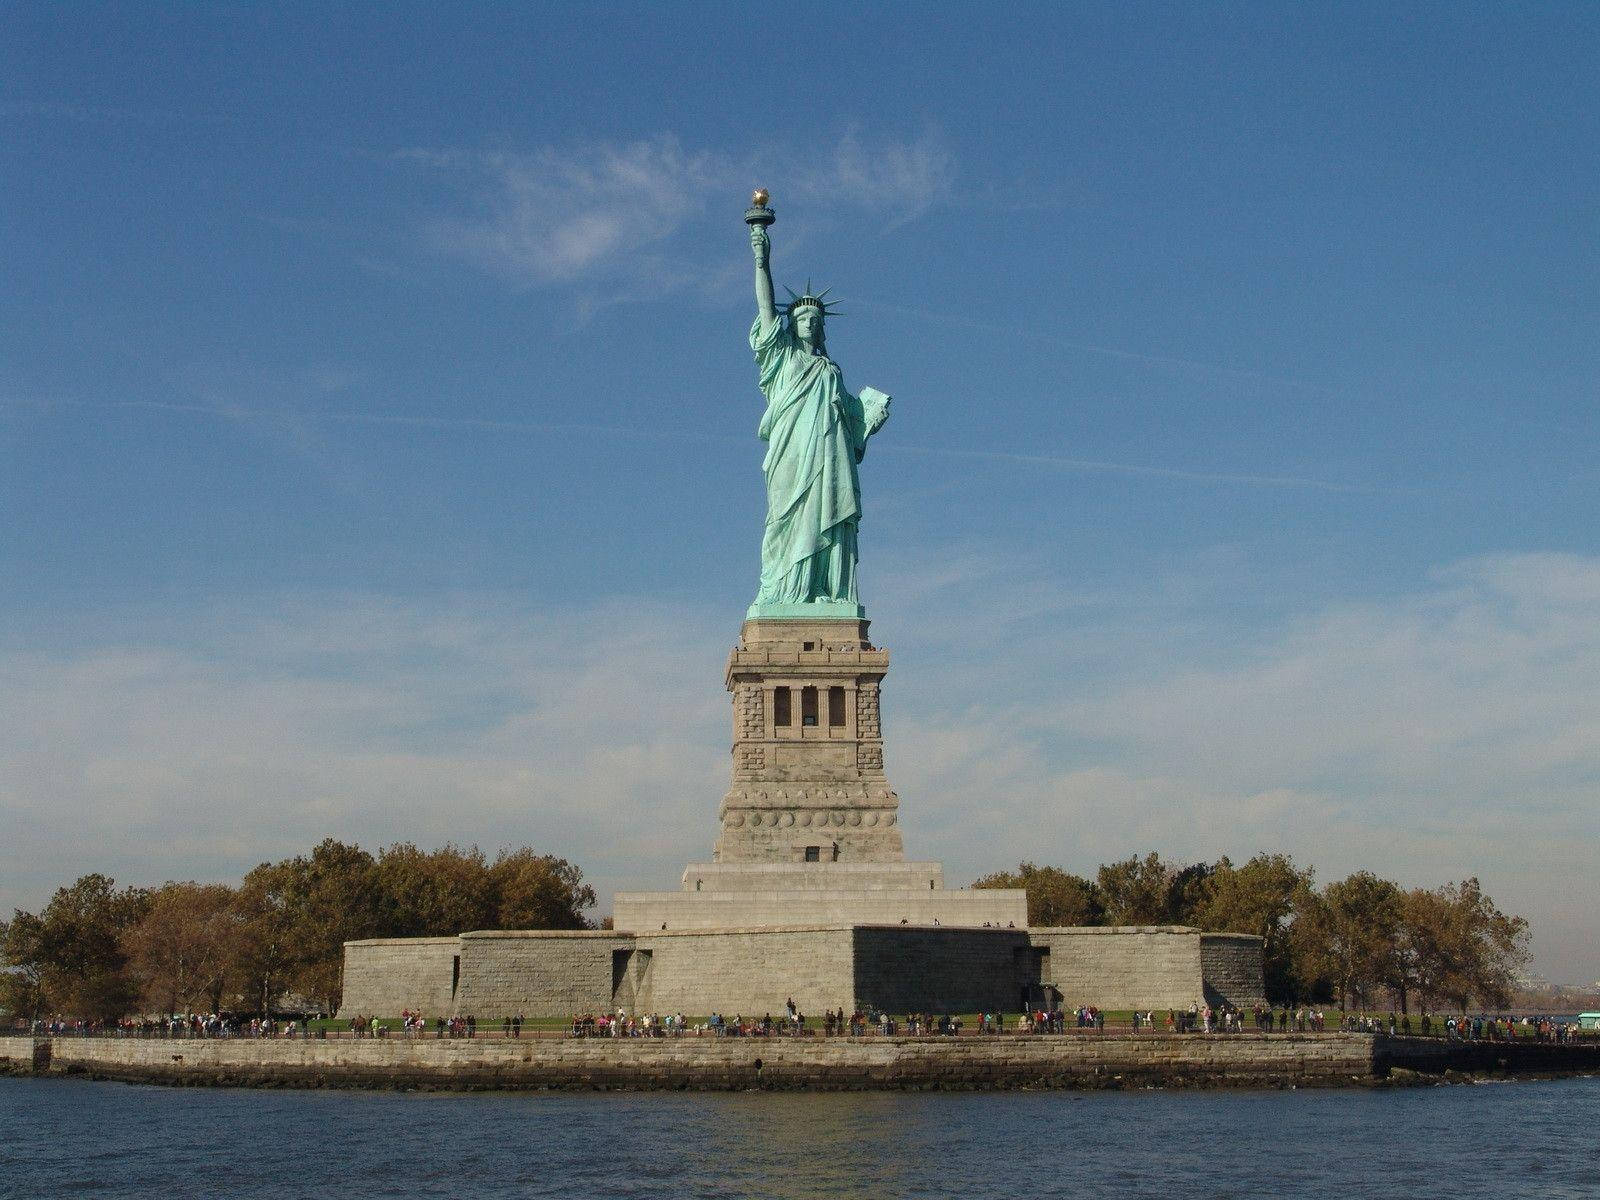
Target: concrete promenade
{"x":1109,"y":1060}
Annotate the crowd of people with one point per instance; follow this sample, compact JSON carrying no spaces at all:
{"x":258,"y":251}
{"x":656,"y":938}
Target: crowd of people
{"x":1197,"y":1018}
{"x":1504,"y":1029}
{"x":415,"y":1025}
{"x":836,"y":1023}
{"x":184,"y":1025}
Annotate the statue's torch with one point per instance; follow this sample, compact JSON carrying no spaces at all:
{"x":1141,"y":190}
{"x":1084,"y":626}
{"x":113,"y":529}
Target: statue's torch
{"x":758,"y":213}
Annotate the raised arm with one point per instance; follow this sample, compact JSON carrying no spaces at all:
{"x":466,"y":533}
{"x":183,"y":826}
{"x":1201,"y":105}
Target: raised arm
{"x":761,"y":245}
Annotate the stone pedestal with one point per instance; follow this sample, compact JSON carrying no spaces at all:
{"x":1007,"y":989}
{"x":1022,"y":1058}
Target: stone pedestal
{"x":810,"y":829}
{"x":808,"y":778}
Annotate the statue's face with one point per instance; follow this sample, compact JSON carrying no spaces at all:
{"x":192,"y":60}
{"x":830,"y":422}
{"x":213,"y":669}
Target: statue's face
{"x":807,"y":324}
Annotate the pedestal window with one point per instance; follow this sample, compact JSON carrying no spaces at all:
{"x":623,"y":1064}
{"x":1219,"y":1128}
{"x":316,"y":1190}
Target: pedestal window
{"x":836,"y":707}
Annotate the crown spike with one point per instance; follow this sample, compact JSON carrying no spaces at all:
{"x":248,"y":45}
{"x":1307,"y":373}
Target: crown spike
{"x":809,"y":299}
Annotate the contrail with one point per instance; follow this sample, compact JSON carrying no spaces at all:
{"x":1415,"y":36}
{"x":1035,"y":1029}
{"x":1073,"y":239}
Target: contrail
{"x":239,"y":412}
{"x":1093,"y":348}
{"x":1089,"y":464}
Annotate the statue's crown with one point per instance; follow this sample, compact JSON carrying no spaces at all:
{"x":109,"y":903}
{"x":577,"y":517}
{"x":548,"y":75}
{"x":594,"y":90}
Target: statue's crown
{"x":810,"y":299}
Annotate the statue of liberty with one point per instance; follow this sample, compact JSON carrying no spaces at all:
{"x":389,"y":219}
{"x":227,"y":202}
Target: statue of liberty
{"x":816,"y":433}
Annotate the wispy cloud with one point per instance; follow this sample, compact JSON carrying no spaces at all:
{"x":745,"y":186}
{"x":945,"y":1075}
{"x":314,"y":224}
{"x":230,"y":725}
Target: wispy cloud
{"x":249,"y":734}
{"x":555,"y":216}
{"x":1448,"y":731}
{"x":900,"y":179}
{"x":608,"y":212}
{"x":1451,"y":730}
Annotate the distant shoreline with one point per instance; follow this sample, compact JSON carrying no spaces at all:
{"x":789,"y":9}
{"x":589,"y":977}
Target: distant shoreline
{"x":1112,"y":1061}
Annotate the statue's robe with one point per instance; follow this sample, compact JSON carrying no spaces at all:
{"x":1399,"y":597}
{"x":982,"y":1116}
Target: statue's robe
{"x":816,"y":432}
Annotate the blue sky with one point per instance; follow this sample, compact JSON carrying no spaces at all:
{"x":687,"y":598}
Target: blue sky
{"x":377,"y":429}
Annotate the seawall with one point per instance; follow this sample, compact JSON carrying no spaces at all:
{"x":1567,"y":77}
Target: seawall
{"x":822,"y":1064}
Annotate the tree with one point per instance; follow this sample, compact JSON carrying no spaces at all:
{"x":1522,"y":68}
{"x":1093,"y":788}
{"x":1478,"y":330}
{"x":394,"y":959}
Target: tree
{"x":539,"y":891}
{"x":1054,"y":896}
{"x":22,"y":966}
{"x":1350,"y":937}
{"x":1260,"y":898}
{"x":1186,"y":892}
{"x":94,"y":951}
{"x":336,"y":899}
{"x":299,"y":914}
{"x":1498,"y":944}
{"x":1134,"y":890}
{"x":69,"y":959}
{"x":184,"y":951}
{"x":435,"y":894}
{"x":267,"y":902}
{"x":1457,"y":946}
{"x":1146,"y":891}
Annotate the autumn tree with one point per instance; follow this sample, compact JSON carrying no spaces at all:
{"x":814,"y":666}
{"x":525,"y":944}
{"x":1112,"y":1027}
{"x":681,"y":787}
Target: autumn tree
{"x":69,"y":958}
{"x":1498,"y":946}
{"x":1259,"y":897}
{"x":445,"y":891}
{"x":1425,"y":952}
{"x":95,"y":951}
{"x":1055,"y":897}
{"x":1147,"y":891}
{"x":268,"y":896}
{"x":298,"y":914}
{"x":1457,"y":946}
{"x":1350,"y":936}
{"x":434,"y":893}
{"x":22,"y":966}
{"x":539,"y":891}
{"x":1360,"y":939}
{"x":336,"y":899}
{"x":187,"y":948}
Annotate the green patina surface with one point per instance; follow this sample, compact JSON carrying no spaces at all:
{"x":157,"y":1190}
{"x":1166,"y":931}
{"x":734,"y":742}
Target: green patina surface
{"x":809,"y":610}
{"x":816,"y":432}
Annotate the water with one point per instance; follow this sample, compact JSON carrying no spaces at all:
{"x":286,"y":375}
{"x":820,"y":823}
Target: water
{"x":65,"y":1137}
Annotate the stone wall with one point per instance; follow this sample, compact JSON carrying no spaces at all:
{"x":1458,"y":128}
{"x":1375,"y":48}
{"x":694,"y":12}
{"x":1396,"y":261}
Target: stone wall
{"x":736,"y":968}
{"x":811,"y":877}
{"x":874,"y":1062}
{"x":1121,"y":967}
{"x":24,"y":1055}
{"x":546,"y":973}
{"x":382,"y":976}
{"x":946,"y":970}
{"x":748,"y":971}
{"x":646,"y":912}
{"x":1110,"y":1060}
{"x":1230,"y":965}
{"x":897,"y":968}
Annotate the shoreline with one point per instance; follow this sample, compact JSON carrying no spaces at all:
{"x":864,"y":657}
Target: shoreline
{"x":874,"y":1063}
